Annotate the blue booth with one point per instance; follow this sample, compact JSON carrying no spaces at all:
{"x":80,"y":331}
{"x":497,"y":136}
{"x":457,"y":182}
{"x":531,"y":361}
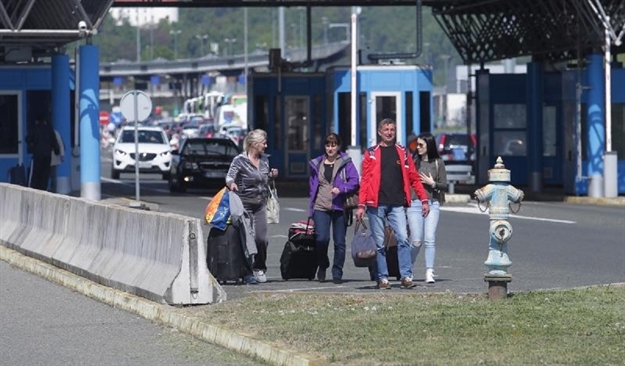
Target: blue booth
{"x":299,"y":109}
{"x":545,"y":124}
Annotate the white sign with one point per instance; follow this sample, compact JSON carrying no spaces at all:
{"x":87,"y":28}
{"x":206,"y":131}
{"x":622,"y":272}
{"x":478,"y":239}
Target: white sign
{"x":135,"y":106}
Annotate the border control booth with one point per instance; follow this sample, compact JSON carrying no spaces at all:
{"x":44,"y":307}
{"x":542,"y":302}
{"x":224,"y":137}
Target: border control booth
{"x":299,"y":109}
{"x":532,"y":119}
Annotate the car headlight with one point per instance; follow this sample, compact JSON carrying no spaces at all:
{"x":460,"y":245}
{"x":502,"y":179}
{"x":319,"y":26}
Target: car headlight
{"x":118,"y":151}
{"x":165,"y":153}
{"x":190,"y":165}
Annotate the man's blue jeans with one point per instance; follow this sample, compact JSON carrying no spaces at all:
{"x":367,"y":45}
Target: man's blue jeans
{"x":396,"y":217}
{"x":322,"y":220}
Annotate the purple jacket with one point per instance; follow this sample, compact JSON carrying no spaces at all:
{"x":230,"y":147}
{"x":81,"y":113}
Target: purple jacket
{"x":346,"y":169}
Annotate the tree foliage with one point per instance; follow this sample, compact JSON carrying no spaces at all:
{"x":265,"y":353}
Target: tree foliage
{"x":382,"y":29}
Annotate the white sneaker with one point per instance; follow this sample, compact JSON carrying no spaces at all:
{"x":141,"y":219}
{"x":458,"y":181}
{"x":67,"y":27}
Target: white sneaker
{"x":429,"y":275}
{"x":260,"y":276}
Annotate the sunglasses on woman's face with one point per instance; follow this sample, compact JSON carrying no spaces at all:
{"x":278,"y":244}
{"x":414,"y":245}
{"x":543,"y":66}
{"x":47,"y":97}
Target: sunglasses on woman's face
{"x":421,"y":144}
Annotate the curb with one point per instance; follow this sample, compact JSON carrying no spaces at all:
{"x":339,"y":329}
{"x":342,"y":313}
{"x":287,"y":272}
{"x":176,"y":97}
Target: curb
{"x":457,"y":198}
{"x":237,"y":342}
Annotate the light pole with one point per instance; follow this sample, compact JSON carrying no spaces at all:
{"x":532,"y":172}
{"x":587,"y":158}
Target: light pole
{"x":446,"y":59}
{"x":294,"y":35}
{"x":324,"y":22}
{"x":230,"y":41}
{"x":201,"y":38}
{"x":175,"y":33}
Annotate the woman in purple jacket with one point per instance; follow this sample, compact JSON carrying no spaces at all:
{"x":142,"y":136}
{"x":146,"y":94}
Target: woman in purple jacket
{"x":332,"y":177}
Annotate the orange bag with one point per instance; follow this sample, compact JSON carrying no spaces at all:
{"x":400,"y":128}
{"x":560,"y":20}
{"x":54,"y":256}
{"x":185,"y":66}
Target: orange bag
{"x":217,"y":212}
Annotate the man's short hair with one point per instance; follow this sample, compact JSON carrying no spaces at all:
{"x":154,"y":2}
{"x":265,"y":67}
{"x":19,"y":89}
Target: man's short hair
{"x":384,"y":122}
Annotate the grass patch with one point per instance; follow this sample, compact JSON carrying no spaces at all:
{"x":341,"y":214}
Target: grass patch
{"x":569,"y":327}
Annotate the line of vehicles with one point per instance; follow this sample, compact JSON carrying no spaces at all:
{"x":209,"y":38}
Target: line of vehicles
{"x":197,"y":161}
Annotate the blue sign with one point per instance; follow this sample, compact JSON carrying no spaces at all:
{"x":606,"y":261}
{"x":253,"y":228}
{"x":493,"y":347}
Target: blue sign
{"x":206,"y":80}
{"x":242,"y":79}
{"x":155,"y":80}
{"x":118,"y":81}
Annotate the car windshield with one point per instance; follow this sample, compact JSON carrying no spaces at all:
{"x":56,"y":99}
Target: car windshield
{"x":224,"y":149}
{"x":145,"y":137}
{"x":457,"y":140}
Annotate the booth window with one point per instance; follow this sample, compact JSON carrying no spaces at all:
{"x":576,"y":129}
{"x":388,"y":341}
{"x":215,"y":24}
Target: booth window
{"x":297,"y":121}
{"x":318,"y":133}
{"x":510,"y":134}
{"x":261,"y":113}
{"x":549,"y":131}
{"x":277,"y":126}
{"x":618,"y":129}
{"x":9,"y":124}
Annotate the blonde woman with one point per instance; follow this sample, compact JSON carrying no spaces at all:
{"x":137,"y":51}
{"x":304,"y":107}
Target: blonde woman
{"x":249,"y":175}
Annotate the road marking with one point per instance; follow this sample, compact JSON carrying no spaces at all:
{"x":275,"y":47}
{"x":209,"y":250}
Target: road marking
{"x":116,"y":181}
{"x":303,"y":289}
{"x":473,"y":209}
{"x":294,"y":209}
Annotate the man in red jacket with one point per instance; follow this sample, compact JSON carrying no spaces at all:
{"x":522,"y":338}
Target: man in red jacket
{"x":388,"y":172}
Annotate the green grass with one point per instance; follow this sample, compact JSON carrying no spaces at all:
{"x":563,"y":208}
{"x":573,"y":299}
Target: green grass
{"x":569,"y":327}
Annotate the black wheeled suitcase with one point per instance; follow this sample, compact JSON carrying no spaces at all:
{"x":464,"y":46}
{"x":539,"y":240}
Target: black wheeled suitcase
{"x":225,"y":258}
{"x":299,"y":258}
{"x":392,"y":260}
{"x":17,"y":175}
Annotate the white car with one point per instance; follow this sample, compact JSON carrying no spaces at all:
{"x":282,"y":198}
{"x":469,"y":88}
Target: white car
{"x":154,"y":152}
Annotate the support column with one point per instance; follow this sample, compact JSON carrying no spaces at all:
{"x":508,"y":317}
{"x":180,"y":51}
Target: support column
{"x":89,"y":90}
{"x":61,"y":117}
{"x":534,"y":103}
{"x":595,"y":125}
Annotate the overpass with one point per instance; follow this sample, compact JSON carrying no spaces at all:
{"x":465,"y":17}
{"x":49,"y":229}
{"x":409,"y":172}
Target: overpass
{"x":233,"y":65}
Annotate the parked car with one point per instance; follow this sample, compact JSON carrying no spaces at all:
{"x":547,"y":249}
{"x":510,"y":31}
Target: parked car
{"x":456,"y":148}
{"x":201,"y":162}
{"x":207,"y":130}
{"x":154,"y":151}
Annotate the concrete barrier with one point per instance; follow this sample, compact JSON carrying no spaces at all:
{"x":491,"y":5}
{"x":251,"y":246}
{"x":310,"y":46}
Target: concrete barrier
{"x":155,"y":255}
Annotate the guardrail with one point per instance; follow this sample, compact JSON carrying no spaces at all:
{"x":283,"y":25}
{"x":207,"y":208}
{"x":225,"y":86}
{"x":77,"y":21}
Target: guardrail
{"x":155,"y":255}
{"x":163,"y":67}
{"x":459,"y":174}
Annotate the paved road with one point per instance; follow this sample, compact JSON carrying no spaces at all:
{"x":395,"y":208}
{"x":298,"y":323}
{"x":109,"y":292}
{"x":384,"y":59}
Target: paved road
{"x":45,"y":324}
{"x":554,"y":245}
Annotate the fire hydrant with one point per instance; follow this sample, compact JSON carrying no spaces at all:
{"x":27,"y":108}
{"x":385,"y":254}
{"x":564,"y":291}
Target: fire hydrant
{"x":498,"y":196}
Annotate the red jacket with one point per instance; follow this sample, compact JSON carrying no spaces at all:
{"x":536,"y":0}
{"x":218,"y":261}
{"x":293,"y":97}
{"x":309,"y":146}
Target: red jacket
{"x":371,"y":171}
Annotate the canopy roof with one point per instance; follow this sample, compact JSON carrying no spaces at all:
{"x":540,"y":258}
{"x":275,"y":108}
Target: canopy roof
{"x":481,"y":30}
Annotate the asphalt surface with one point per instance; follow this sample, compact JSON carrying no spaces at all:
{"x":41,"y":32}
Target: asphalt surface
{"x":554,"y":244}
{"x":46,"y":324}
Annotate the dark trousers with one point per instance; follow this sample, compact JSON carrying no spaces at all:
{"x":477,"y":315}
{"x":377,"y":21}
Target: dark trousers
{"x":323,"y":220}
{"x":41,"y":172}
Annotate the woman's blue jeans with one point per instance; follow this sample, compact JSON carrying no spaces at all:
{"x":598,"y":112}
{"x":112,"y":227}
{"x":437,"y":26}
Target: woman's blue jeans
{"x":323,"y":220}
{"x":396,"y":217}
{"x":423,"y":231}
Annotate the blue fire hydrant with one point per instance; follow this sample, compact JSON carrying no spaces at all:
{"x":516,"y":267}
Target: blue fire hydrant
{"x":499,"y":196}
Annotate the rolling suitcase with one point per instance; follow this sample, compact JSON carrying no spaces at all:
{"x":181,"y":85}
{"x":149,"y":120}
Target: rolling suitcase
{"x":225,"y":258}
{"x":17,"y":175}
{"x":299,"y":258}
{"x":392,"y":260}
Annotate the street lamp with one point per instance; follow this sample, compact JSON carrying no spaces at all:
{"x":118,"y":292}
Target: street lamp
{"x":446,"y":58}
{"x":201,"y":38}
{"x":175,"y":33}
{"x":230,"y":41}
{"x":324,"y":22}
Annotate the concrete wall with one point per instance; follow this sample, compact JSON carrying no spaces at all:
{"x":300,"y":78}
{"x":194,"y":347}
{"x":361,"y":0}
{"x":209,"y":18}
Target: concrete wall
{"x":154,"y":255}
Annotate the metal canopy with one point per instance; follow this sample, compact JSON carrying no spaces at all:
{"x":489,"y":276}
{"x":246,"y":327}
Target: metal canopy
{"x":553,"y":30}
{"x":480,"y":30}
{"x":44,"y":25}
